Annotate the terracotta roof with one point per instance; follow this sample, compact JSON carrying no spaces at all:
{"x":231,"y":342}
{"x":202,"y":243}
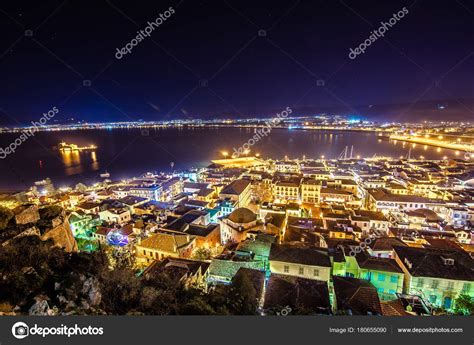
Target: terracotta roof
{"x":242,"y":215}
{"x":167,"y":242}
{"x":87,"y":205}
{"x":377,"y":264}
{"x":236,"y":187}
{"x":394,"y":308}
{"x":299,"y":255}
{"x":177,"y":268}
{"x":386,"y":243}
{"x":356,"y":296}
{"x":437,"y":263}
{"x":295,"y":292}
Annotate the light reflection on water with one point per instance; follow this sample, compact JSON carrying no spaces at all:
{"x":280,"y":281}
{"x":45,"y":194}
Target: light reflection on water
{"x":77,"y":162}
{"x":126,"y":153}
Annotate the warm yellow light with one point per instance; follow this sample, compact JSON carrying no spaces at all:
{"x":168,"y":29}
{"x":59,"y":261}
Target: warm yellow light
{"x":225,"y":153}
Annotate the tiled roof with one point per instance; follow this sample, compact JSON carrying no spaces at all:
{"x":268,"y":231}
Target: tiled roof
{"x":386,"y":243}
{"x":393,"y":308}
{"x":176,"y":267}
{"x":424,"y":262}
{"x":300,"y":255}
{"x":378,"y":264}
{"x":87,"y":205}
{"x":308,"y":294}
{"x":261,"y":248}
{"x":356,"y":296}
{"x":242,"y":215}
{"x":236,"y":187}
{"x":228,"y":268}
{"x":167,"y":242}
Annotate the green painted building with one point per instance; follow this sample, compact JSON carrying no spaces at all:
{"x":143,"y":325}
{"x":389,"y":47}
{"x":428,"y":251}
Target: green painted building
{"x":439,"y":276}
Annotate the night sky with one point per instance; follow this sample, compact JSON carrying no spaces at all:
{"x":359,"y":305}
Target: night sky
{"x":209,"y":58}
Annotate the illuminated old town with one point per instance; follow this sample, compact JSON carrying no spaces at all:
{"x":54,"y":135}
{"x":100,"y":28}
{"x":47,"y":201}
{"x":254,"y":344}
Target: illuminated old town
{"x":347,"y":235}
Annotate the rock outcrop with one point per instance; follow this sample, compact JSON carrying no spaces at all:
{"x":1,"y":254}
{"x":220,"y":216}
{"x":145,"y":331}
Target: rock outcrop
{"x":62,"y":236}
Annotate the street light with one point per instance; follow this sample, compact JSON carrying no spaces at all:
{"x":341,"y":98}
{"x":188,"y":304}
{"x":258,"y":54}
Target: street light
{"x":225,"y":153}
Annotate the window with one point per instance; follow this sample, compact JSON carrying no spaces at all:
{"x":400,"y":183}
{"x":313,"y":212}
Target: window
{"x":316,"y":273}
{"x":466,"y":288}
{"x":450,"y":285}
{"x":301,"y":271}
{"x":286,"y":269}
{"x":393,"y":279}
{"x":432,"y":299}
{"x":392,"y":292}
{"x":380,"y":290}
{"x":434,"y":284}
{"x":419,"y":283}
{"x":381,"y":277}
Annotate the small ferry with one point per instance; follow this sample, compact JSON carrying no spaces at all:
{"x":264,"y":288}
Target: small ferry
{"x":65,"y":147}
{"x":105,"y":174}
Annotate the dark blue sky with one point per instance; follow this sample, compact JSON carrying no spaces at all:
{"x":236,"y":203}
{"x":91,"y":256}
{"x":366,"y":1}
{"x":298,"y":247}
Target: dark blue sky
{"x":207,"y":59}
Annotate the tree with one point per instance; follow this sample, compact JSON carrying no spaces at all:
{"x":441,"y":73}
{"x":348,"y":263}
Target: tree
{"x":246,"y":294}
{"x":202,"y":254}
{"x":262,"y":192}
{"x":464,"y":305}
{"x":120,"y":291}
